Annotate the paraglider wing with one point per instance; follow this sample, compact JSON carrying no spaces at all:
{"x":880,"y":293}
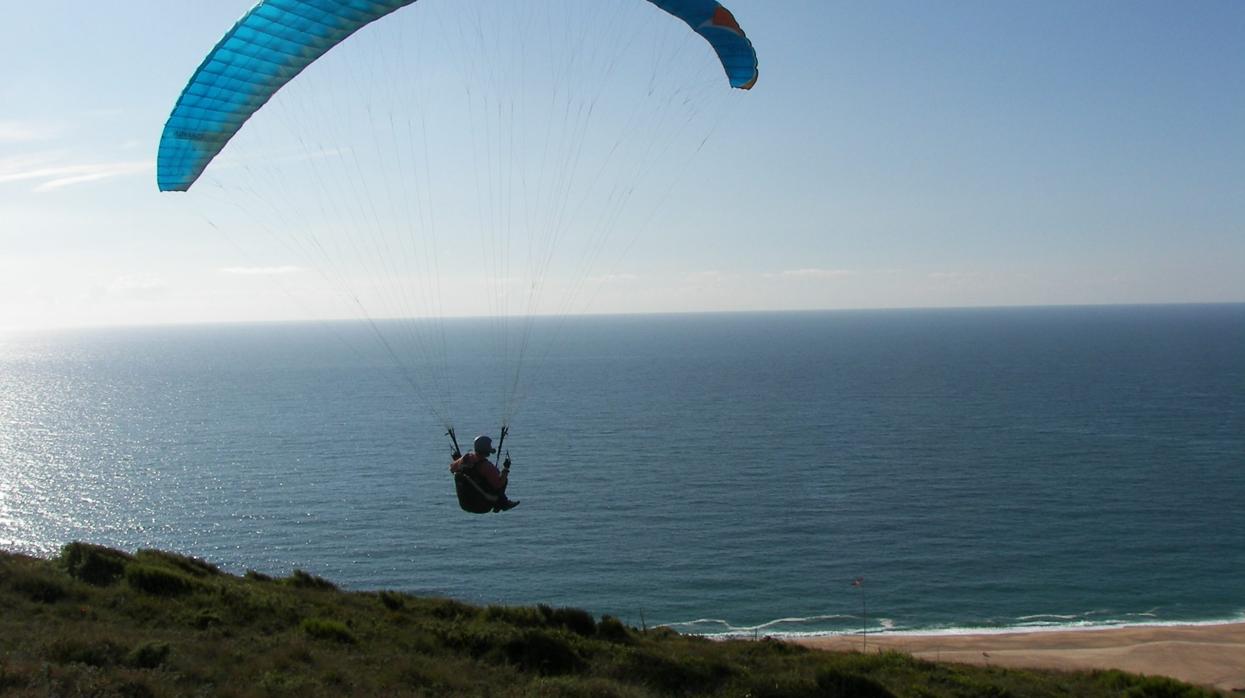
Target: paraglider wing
{"x":277,"y":39}
{"x":718,"y":26}
{"x":266,"y":49}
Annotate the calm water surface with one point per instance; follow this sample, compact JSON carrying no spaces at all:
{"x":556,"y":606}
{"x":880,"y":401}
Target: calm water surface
{"x":720,"y":473}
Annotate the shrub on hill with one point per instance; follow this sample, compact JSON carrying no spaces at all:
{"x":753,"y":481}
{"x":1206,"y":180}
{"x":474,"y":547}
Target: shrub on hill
{"x":612,"y":629}
{"x":543,"y":652}
{"x":94,"y":652}
{"x":190,"y":565}
{"x":303,"y":580}
{"x":326,"y":629}
{"x":158,"y":581}
{"x":94,"y":564}
{"x":575,"y":620}
{"x":680,"y":673}
{"x":451,"y":610}
{"x":148,"y":655}
{"x":38,"y":585}
{"x":835,"y":682}
{"x":1133,"y":686}
{"x":392,"y":600}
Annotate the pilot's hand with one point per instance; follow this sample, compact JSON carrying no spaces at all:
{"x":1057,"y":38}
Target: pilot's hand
{"x":456,"y":454}
{"x":506,"y":463}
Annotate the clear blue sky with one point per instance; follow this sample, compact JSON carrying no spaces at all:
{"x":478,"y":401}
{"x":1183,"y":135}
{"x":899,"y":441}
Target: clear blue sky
{"x":892,"y":155}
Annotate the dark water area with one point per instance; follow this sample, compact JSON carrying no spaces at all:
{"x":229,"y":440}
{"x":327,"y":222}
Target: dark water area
{"x":985,"y":468}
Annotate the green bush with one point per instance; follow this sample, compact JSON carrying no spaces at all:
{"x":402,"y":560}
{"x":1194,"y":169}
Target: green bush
{"x":257,"y":576}
{"x":768,"y":646}
{"x":326,"y":629}
{"x":833,"y":683}
{"x":521,"y":616}
{"x":96,"y":653}
{"x":449,"y":609}
{"x":582,"y":687}
{"x":575,"y":620}
{"x":148,"y":655}
{"x":682,"y":673}
{"x":543,"y":652}
{"x":474,"y":640}
{"x":94,"y":564}
{"x":158,"y":581}
{"x":134,"y":688}
{"x":392,"y":600}
{"x":771,"y":686}
{"x":1163,"y":687}
{"x":40,"y":588}
{"x":304,"y":580}
{"x":205,"y":619}
{"x":281,"y":683}
{"x":1114,"y":680}
{"x":613,"y":630}
{"x":257,"y":606}
{"x":190,"y":565}
{"x":434,"y":676}
{"x":1133,"y":686}
{"x":880,"y":662}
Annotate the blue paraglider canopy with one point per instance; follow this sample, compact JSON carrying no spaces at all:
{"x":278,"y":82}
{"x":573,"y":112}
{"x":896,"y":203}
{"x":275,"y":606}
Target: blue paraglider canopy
{"x":277,"y":39}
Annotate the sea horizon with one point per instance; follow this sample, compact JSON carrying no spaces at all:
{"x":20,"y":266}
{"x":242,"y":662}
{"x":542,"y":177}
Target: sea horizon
{"x":355,"y":320}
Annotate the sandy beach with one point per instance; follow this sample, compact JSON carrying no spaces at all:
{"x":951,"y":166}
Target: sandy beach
{"x":1208,"y":655}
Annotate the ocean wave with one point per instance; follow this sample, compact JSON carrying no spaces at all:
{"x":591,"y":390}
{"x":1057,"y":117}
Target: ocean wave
{"x":721,"y":627}
{"x":718,"y":628}
{"x":1063,"y":627}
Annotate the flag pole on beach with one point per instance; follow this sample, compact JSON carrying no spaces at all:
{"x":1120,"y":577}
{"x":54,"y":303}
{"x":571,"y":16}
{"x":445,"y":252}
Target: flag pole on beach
{"x":859,"y":583}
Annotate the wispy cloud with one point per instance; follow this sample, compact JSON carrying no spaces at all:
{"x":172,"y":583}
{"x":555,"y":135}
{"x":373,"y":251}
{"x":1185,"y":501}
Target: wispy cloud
{"x":26,"y":132}
{"x":613,"y":278}
{"x":14,"y":167}
{"x":81,"y":174}
{"x":262,"y":271}
{"x":51,"y":175}
{"x":136,"y":286}
{"x":814,"y":273}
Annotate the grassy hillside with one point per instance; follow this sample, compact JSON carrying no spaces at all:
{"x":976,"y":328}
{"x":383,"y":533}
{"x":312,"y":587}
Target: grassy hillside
{"x":100,"y":622}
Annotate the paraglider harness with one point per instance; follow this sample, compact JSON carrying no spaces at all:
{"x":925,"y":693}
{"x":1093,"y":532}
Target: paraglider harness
{"x":474,"y":494}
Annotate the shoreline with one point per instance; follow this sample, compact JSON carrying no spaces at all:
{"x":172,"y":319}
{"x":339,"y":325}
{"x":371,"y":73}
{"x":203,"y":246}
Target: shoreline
{"x":1211,"y":654}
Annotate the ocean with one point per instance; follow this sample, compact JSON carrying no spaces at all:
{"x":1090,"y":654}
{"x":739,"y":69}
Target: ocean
{"x":719,"y":473}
